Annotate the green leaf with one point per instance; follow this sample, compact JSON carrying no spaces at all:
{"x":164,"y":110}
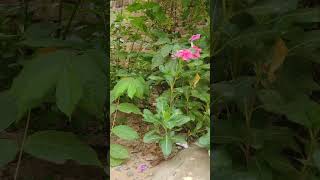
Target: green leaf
{"x":151,"y":137}
{"x":59,"y":147}
{"x":133,"y":86}
{"x":149,"y":117}
{"x":204,"y":141}
{"x":166,"y":146}
{"x":177,"y":120}
{"x":125,"y":132}
{"x":8,"y":111}
{"x":121,"y":87}
{"x":129,"y":108}
{"x":118,"y":151}
{"x":8,"y":151}
{"x":69,"y":89}
{"x":132,"y":89}
{"x":157,"y":60}
{"x":94,"y":83}
{"x":36,"y":80}
{"x":115,"y":162}
{"x":165,"y":50}
{"x":316,"y":158}
{"x":113,"y":108}
{"x":179,"y":139}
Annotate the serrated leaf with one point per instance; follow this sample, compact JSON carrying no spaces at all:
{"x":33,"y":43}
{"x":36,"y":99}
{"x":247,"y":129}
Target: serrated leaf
{"x":166,"y":146}
{"x":129,"y":108}
{"x":157,"y":60}
{"x":121,"y":87}
{"x":132,"y":89}
{"x":69,"y":89}
{"x":118,"y":152}
{"x":37,"y":79}
{"x":125,"y":132}
{"x":8,"y":151}
{"x":58,"y":147}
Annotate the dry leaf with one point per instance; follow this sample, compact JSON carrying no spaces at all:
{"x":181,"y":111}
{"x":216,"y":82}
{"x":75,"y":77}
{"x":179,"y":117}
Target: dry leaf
{"x":195,"y":80}
{"x":280,"y":52}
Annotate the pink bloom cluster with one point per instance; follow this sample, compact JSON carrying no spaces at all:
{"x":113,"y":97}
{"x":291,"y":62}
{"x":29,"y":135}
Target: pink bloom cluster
{"x":195,"y":37}
{"x":192,"y":53}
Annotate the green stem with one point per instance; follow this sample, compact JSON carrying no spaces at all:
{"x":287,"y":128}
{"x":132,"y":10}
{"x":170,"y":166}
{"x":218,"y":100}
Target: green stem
{"x":313,"y":141}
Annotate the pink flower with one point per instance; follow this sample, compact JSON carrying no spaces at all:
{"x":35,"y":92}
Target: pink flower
{"x":185,"y":54}
{"x":142,"y":167}
{"x":197,"y":52}
{"x":195,"y":37}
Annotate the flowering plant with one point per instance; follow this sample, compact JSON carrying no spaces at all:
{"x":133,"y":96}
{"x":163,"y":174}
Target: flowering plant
{"x":185,"y":104}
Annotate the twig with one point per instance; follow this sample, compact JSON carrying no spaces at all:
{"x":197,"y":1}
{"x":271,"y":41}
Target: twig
{"x":22,"y":145}
{"x":71,"y":19}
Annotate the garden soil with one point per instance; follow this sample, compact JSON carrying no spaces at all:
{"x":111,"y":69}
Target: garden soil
{"x":192,"y":163}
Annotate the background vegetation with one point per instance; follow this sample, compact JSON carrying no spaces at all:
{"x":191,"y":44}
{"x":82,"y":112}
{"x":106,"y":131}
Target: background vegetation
{"x":171,"y":95}
{"x":266,"y":89}
{"x":53,"y":85}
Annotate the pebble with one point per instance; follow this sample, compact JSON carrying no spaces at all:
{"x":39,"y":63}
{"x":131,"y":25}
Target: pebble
{"x":129,"y":173}
{"x":118,"y":168}
{"x":151,"y":158}
{"x":126,"y":168}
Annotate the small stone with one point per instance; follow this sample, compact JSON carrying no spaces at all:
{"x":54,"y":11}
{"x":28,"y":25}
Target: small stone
{"x":187,"y":178}
{"x":129,"y":173}
{"x":151,"y":158}
{"x":118,"y":168}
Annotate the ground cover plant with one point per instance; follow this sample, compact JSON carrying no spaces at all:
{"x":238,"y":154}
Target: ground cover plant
{"x":266,"y":86}
{"x":160,"y":71}
{"x":53,"y":88}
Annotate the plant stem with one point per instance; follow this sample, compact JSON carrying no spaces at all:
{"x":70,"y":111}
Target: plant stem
{"x":71,"y":19}
{"x":115,"y":114}
{"x":313,"y":141}
{"x":60,"y":18}
{"x":22,"y":145}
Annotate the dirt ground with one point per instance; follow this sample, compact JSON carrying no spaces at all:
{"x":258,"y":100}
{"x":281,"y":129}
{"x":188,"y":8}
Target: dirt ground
{"x":179,"y":166}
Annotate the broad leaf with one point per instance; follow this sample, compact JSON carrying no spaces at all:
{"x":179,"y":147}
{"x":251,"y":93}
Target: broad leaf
{"x":69,"y":89}
{"x":8,"y":111}
{"x":151,"y":137}
{"x":125,"y":132}
{"x":59,"y":147}
{"x":8,"y":151}
{"x":129,"y":108}
{"x":149,"y":117}
{"x":115,"y":162}
{"x":118,"y":152}
{"x":166,"y":146}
